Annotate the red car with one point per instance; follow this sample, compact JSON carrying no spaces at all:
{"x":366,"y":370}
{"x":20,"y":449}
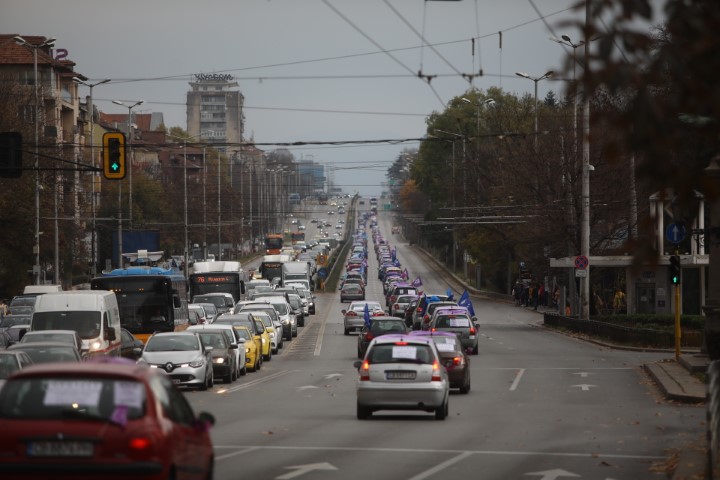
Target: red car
{"x":108,"y":419}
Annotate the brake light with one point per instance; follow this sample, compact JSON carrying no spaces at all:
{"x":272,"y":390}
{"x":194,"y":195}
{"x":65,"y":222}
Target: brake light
{"x":433,"y":329}
{"x":378,"y":314}
{"x":351,"y":314}
{"x":401,"y":343}
{"x":472,"y":331}
{"x":139,"y":443}
{"x":436,"y":372}
{"x":457,"y":361}
{"x":369,"y":336}
{"x":365,"y":371}
{"x":393,"y":298}
{"x":426,"y":318}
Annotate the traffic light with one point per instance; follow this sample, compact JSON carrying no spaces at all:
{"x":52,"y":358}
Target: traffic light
{"x":10,"y":155}
{"x":675,"y":270}
{"x":114,"y":155}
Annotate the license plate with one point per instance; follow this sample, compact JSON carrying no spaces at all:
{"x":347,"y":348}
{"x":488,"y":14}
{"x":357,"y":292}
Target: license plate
{"x":60,"y":449}
{"x":472,"y":337}
{"x":402,"y":375}
{"x":176,"y":381}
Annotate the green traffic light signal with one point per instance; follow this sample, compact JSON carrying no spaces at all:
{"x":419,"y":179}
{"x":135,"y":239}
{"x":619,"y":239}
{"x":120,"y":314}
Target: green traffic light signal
{"x":675,"y":270}
{"x":114,"y":155}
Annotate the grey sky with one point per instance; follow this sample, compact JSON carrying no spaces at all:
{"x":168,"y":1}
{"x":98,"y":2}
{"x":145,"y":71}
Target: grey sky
{"x":351,"y":91}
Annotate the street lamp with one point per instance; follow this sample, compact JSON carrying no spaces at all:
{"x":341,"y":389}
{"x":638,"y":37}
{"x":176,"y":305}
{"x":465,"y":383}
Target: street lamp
{"x":453,"y":166}
{"x":95,"y":175}
{"x":129,"y":152}
{"x":34,"y":47}
{"x":185,"y":195}
{"x":487,"y":102}
{"x":536,"y":80}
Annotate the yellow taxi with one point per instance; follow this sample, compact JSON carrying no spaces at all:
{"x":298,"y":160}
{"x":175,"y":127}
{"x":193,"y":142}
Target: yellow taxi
{"x":261,"y":338}
{"x":253,"y":345}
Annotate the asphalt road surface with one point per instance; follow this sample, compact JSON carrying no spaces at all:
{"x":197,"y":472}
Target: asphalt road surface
{"x":542,"y":406}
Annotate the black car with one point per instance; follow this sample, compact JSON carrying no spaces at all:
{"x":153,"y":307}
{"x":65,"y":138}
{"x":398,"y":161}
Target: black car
{"x":379,"y":326}
{"x":131,"y":347}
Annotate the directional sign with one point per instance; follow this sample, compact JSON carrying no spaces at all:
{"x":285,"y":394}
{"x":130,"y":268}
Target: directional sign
{"x":675,"y":232}
{"x":322,"y":273}
{"x":581,"y":262}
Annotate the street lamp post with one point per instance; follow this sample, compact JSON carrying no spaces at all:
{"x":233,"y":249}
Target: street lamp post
{"x":536,"y":80}
{"x":129,"y":152}
{"x":95,"y":175}
{"x":34,"y":47}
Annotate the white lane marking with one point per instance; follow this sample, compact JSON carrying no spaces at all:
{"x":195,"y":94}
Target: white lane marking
{"x":515,"y":383}
{"x":321,"y":334}
{"x":332,"y":375}
{"x":235,"y":454}
{"x":553,"y":474}
{"x":441,"y":466}
{"x":258,"y":381}
{"x":585,"y":387}
{"x":582,"y":374}
{"x":303,"y":469}
{"x":594,"y":455}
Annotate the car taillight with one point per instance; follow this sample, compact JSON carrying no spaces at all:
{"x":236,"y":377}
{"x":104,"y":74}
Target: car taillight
{"x":426,"y":318}
{"x":433,"y":329}
{"x":396,"y":306}
{"x":457,"y":361}
{"x":393,"y":298}
{"x":351,"y":314}
{"x":365,"y":371}
{"x":472,"y":331}
{"x":378,"y":314}
{"x":139,"y":443}
{"x":436,"y":377}
{"x":369,"y":336}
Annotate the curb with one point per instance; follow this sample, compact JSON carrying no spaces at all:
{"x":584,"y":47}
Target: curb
{"x":667,"y":374}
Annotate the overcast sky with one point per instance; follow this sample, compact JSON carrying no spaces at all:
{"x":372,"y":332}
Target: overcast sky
{"x":310,"y":70}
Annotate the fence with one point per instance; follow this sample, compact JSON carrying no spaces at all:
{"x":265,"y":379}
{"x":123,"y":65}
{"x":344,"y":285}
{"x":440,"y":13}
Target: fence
{"x":713,"y":417}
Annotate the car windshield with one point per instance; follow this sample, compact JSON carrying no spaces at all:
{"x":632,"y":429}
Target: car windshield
{"x":172,"y":343}
{"x":243,"y":333}
{"x":8,"y":366}
{"x":213,"y":339}
{"x":67,"y":399}
{"x":379,"y":327}
{"x":10,"y":320}
{"x":359,"y":307}
{"x":400,"y":353}
{"x":86,"y":323}
{"x":447,"y":344}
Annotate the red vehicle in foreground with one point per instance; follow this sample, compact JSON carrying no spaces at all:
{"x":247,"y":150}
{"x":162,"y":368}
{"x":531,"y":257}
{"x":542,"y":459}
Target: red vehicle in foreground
{"x":111,"y":420}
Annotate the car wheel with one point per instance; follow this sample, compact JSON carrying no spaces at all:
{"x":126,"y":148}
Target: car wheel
{"x":363,"y":413}
{"x":258,"y":363}
{"x":243,"y":371}
{"x":268,"y":357}
{"x":475,"y":349}
{"x":212,"y":380}
{"x":360,"y":354}
{"x":347,"y":332}
{"x":301,"y":323}
{"x":442,"y":411}
{"x":206,"y":384}
{"x":465,"y":388}
{"x":294,"y":333}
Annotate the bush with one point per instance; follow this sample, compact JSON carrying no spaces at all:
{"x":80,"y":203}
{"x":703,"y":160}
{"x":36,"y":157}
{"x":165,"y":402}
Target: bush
{"x":654,"y":321}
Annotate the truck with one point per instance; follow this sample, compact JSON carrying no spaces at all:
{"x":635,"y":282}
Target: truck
{"x":293,"y":271}
{"x":271,"y":266}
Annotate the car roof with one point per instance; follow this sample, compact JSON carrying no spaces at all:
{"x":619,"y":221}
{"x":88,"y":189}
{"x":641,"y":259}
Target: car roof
{"x":64,"y":332}
{"x":428,"y":333}
{"x":402,"y":337}
{"x":451,"y":309}
{"x":110,"y":368}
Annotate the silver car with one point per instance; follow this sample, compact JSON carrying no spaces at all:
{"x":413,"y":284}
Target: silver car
{"x":397,"y":308}
{"x":183,"y":357}
{"x":400,"y":372}
{"x":353,"y":317}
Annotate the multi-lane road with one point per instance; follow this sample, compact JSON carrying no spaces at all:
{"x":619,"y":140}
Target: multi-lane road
{"x":542,"y":406}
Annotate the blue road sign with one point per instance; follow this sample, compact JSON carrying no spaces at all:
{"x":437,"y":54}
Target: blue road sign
{"x":675,"y":232}
{"x":322,"y":273}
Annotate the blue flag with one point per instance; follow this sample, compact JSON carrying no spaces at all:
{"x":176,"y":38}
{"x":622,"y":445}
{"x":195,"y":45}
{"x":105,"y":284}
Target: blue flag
{"x":450,"y":294}
{"x":417,"y":283}
{"x":467,"y":303}
{"x":366,"y":316}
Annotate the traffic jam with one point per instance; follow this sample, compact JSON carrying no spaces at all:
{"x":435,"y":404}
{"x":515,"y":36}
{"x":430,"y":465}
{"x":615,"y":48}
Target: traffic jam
{"x":414,"y":347}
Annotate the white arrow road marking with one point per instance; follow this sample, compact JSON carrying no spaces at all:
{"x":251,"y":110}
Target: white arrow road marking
{"x":306,"y":387}
{"x":331,"y":375}
{"x":303,"y":469}
{"x":553,"y":474}
{"x":583,"y":374}
{"x":585,"y":387}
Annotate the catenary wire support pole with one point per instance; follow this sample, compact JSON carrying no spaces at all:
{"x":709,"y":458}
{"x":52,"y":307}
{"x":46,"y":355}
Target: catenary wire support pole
{"x":129,"y":153}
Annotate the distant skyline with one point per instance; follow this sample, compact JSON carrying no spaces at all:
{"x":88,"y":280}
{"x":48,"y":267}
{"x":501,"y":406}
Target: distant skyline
{"x":310,"y":70}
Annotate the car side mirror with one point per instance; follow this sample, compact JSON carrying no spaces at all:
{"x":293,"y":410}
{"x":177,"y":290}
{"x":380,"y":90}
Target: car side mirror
{"x":111,"y":334}
{"x":204,"y":421}
{"x":233,"y":346}
{"x":241,"y":341}
{"x":343,"y":311}
{"x":208,"y":349}
{"x":477,"y":326}
{"x":357,"y":364}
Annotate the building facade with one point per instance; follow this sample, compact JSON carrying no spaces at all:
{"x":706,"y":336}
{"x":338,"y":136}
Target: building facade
{"x":215,"y":111}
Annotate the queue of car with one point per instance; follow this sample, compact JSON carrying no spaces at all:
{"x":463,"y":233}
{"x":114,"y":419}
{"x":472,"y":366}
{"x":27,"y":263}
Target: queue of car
{"x":416,"y":348}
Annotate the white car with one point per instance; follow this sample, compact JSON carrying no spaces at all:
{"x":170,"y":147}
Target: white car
{"x":235,"y":340}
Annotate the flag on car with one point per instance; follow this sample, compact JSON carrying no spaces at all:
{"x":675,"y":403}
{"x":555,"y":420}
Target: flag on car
{"x":467,"y":303}
{"x":405,"y":274}
{"x":366,"y":316}
{"x":450,"y":294}
{"x":393,"y":254}
{"x":417,"y":282}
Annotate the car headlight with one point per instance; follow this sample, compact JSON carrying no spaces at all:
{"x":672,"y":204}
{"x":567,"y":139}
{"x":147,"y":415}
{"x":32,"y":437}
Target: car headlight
{"x":144,"y":362}
{"x":197,"y":364}
{"x":219,"y":360}
{"x":247,"y":350}
{"x":285,"y":321}
{"x":263,"y":340}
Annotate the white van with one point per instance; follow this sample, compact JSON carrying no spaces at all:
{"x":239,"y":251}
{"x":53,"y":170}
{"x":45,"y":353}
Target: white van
{"x":94,"y":314}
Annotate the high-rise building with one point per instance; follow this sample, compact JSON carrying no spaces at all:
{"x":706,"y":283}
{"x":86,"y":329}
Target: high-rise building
{"x":215,"y":111}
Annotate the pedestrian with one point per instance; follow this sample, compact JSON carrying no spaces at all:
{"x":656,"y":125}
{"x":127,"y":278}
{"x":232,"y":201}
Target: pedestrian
{"x":541,"y":295}
{"x":568,"y":311}
{"x":535,"y":296}
{"x":524,"y":295}
{"x":599,"y":304}
{"x":556,"y":297}
{"x":619,"y":301}
{"x":3,"y":308}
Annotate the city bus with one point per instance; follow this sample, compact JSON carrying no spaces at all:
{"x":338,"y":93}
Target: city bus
{"x":217,"y":277}
{"x":273,"y":243}
{"x":271,"y":266}
{"x":150,"y":299}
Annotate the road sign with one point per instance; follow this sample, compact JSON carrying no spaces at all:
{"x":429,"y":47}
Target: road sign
{"x":581,"y":262}
{"x":322,"y":273}
{"x":580,"y":273}
{"x":321,"y":259}
{"x":675,"y":232}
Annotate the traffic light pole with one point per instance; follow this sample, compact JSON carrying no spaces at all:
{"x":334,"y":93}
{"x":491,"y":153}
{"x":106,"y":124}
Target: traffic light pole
{"x":677,"y":322}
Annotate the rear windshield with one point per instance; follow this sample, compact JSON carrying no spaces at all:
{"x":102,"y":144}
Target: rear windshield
{"x":378,"y":327}
{"x":452,"y":321}
{"x":447,"y":344}
{"x":73,"y":399}
{"x":214,"y":299}
{"x":393,"y":353}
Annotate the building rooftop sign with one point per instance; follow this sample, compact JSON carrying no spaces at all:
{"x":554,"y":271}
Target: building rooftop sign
{"x":213,"y":77}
